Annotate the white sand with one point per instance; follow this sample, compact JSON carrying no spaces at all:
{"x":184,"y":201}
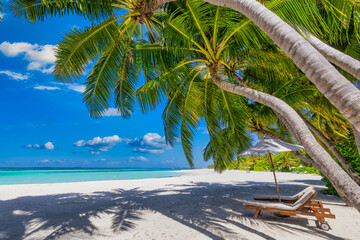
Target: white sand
{"x":196,"y":206}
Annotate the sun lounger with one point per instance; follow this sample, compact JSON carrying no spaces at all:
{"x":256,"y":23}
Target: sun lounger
{"x":304,"y":205}
{"x":286,"y":199}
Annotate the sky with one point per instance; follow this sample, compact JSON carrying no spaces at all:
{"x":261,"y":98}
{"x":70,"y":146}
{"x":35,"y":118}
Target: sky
{"x":44,"y":123}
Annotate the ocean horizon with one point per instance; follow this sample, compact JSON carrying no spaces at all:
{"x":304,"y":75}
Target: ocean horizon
{"x":37,"y":175}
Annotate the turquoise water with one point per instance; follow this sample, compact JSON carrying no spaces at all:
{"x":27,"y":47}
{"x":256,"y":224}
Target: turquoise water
{"x":35,"y":176}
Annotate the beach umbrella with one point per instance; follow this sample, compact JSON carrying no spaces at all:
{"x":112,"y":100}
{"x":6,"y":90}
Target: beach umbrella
{"x":270,"y":145}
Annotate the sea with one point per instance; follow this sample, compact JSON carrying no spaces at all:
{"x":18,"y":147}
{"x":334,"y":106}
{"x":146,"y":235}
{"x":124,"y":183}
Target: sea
{"x":10,"y":176}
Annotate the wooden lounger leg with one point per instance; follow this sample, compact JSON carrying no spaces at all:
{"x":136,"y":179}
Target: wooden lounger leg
{"x":320,"y":219}
{"x":257,"y":213}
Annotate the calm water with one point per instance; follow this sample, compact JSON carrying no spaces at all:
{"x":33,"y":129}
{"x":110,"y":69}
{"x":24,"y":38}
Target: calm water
{"x":35,"y":176}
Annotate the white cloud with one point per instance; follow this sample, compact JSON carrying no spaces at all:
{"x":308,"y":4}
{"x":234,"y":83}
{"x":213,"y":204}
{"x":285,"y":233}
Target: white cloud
{"x":150,"y":143}
{"x":40,"y":57}
{"x":74,"y":26}
{"x":42,"y":87}
{"x":98,"y":144}
{"x":15,"y":75}
{"x":204,"y":130}
{"x":72,"y":86}
{"x":111,"y":112}
{"x":146,"y":150}
{"x":136,"y":159}
{"x":76,"y":87}
{"x":2,"y":15}
{"x":48,"y":146}
{"x":55,"y":161}
{"x":139,"y":158}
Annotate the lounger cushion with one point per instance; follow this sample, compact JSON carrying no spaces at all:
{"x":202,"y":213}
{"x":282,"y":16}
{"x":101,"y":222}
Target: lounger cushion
{"x":308,"y":192}
{"x":286,"y":198}
{"x":273,"y":197}
{"x":277,"y":205}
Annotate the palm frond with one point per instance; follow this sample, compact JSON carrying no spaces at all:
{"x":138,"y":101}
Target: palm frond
{"x":79,"y":47}
{"x":101,"y":80}
{"x":38,"y":10}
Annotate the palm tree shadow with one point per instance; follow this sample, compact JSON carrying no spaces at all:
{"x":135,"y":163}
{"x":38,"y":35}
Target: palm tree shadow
{"x":214,"y":210}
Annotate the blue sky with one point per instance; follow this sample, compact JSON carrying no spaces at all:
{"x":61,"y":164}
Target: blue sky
{"x":46,"y":124}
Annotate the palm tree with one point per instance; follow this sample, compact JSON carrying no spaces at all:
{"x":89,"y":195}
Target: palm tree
{"x":103,"y":41}
{"x":208,"y":55}
{"x":313,"y":108}
{"x":343,"y":38}
{"x":328,"y":80}
{"x":118,"y":26}
{"x":342,"y":34}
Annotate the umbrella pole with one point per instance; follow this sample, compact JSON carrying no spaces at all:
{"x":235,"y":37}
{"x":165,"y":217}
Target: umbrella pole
{"x":276,"y":183}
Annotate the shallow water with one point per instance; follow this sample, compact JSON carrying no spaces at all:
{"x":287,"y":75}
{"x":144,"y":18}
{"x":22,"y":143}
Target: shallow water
{"x":36,"y":176}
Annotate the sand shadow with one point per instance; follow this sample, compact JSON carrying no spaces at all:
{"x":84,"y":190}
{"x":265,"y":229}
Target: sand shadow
{"x":203,"y":207}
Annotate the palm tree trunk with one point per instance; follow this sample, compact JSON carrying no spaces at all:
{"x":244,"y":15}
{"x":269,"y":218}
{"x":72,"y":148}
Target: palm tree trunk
{"x":335,"y":56}
{"x":349,"y":169}
{"x":337,"y":154}
{"x":342,"y":182}
{"x":343,"y":61}
{"x":155,"y":5}
{"x":335,"y":87}
{"x":304,"y":158}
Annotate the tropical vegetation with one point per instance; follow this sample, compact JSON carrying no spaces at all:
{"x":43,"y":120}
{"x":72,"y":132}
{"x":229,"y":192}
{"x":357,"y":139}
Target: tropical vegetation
{"x":283,"y":162}
{"x":222,"y":66}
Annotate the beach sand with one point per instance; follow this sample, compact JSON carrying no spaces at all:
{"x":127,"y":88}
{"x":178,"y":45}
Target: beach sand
{"x":196,"y":206}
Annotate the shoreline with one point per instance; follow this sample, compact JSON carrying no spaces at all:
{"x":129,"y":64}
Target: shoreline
{"x":201,"y":204}
{"x":185,"y":171}
{"x":121,"y":175}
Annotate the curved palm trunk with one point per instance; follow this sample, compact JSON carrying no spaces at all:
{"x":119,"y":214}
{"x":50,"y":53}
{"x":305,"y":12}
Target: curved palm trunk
{"x":349,"y":169}
{"x":340,"y":59}
{"x":335,"y":87}
{"x":307,"y":160}
{"x":332,"y":148}
{"x":342,"y":182}
{"x":336,"y":153}
{"x":343,"y":61}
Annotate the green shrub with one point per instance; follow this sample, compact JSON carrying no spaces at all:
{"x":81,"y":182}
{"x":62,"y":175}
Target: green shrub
{"x":262,"y":165}
{"x":349,"y":150}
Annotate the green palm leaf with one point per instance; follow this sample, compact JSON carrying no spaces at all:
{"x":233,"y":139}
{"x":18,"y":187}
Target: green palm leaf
{"x":37,"y":10}
{"x":79,"y":47}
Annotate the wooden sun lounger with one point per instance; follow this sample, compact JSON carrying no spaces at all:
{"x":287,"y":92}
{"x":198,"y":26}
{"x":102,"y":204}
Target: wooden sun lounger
{"x":304,"y":205}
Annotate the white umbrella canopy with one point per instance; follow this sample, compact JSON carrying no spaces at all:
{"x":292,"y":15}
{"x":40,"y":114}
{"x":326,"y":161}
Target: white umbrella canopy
{"x":270,"y":145}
